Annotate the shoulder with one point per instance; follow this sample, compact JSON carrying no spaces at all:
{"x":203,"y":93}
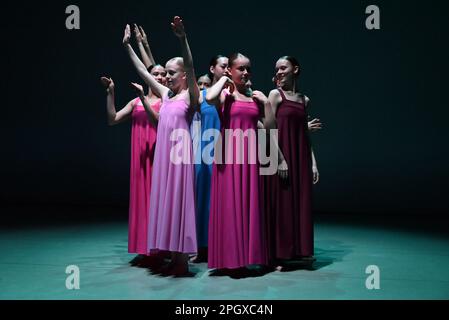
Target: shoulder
{"x":274,"y":93}
{"x":306,"y":100}
{"x":275,"y":96}
{"x":134,"y":102}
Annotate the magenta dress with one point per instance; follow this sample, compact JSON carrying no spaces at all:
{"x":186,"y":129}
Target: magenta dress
{"x":288,"y":203}
{"x":143,"y":140}
{"x":236,"y":225}
{"x":172,"y":199}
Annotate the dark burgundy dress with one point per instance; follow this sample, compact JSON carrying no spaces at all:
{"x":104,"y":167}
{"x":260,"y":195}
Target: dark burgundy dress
{"x":288,"y":203}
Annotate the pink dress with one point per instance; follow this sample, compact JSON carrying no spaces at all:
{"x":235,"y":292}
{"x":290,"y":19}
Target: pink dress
{"x":172,"y":200}
{"x":236,"y":225}
{"x":143,"y":140}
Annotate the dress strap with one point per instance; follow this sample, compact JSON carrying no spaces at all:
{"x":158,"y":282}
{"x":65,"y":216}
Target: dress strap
{"x":282,"y":94}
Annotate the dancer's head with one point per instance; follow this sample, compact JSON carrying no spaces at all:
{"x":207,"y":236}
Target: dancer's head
{"x":217,"y":67}
{"x":176,"y":76}
{"x":204,"y":82}
{"x":287,"y":71}
{"x":158,"y":72}
{"x":240,"y":69}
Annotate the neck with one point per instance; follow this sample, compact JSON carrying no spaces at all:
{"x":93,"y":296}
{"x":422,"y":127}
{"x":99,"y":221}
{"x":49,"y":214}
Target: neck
{"x":289,"y":87}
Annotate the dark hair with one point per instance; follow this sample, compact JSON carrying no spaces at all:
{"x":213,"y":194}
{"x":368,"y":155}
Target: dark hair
{"x":212,"y":63}
{"x":203,"y":75}
{"x":292,"y":60}
{"x":234,"y":57}
{"x":154,"y":65}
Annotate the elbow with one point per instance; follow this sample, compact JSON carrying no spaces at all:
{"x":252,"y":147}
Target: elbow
{"x":209,"y":99}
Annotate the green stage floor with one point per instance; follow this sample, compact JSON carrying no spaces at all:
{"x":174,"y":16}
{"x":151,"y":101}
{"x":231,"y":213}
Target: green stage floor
{"x":413,"y":264}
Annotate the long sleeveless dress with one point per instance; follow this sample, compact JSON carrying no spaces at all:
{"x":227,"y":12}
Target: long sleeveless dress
{"x":172,"y":199}
{"x":203,"y":170}
{"x":143,"y":141}
{"x":236,"y":227}
{"x":288,"y":203}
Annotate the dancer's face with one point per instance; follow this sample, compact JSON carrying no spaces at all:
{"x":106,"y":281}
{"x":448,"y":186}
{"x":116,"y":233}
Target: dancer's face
{"x":241,"y":71}
{"x":203,"y":82}
{"x":285,"y":72}
{"x":220,"y":68}
{"x":158,"y":72}
{"x":176,"y":77}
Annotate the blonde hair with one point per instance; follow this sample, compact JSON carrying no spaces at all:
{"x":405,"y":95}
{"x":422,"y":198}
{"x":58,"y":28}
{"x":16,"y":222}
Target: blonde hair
{"x":178,"y":60}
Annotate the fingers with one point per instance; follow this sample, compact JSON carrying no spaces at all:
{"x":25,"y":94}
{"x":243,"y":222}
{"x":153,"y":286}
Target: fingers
{"x":106,"y":81}
{"x":316,"y":177}
{"x":283,"y":174}
{"x":142,"y":32}
{"x":177,"y":20}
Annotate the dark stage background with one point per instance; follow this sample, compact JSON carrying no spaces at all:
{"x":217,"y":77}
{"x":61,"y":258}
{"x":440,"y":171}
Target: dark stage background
{"x":381,"y":94}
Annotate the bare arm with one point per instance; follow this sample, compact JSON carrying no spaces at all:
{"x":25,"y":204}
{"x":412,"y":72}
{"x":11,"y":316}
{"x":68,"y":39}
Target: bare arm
{"x":316,"y":174}
{"x":146,"y":45}
{"x":268,"y":119}
{"x":115,"y":117}
{"x":155,"y":86}
{"x":194,"y":92}
{"x":153,"y":116}
{"x":213,"y":95}
{"x":315,"y":124}
{"x":282,"y":163}
{"x":146,"y":59}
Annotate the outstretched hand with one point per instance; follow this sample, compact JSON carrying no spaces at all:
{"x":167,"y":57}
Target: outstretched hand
{"x":315,"y":125}
{"x":178,"y":27}
{"x":138,"y":88}
{"x":127,"y":35}
{"x":137,"y":33}
{"x":144,"y":36}
{"x":108,"y":83}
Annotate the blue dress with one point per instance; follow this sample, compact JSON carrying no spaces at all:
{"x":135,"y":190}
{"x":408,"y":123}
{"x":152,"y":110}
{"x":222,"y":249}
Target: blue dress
{"x":203,"y":170}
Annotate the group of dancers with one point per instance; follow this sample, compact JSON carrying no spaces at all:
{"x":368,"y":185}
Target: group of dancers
{"x":226,"y":214}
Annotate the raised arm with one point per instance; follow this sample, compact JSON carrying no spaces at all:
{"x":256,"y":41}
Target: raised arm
{"x":146,"y":45}
{"x":155,"y":86}
{"x":146,"y":58}
{"x":153,"y":116}
{"x":194,"y":92}
{"x":115,"y":117}
{"x":214,"y":96}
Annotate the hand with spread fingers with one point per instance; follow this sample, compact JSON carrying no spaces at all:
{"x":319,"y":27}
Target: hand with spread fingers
{"x":138,"y":88}
{"x":315,"y":125}
{"x":283,"y":169}
{"x":127,"y":35}
{"x":108,"y":84}
{"x":178,"y":27}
